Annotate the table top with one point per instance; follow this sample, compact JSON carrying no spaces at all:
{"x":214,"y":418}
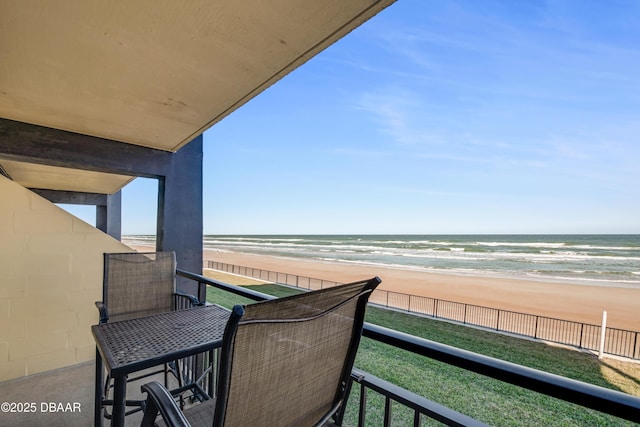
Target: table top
{"x":131,"y":345}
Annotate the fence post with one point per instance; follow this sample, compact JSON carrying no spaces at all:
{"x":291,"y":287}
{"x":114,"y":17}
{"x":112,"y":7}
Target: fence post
{"x":603,"y":331}
{"x":581,"y":334}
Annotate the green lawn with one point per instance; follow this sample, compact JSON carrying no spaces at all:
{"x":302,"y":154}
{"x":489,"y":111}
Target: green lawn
{"x":488,"y":400}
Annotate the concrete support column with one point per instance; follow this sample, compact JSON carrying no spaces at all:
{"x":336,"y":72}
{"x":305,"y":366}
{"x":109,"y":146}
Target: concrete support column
{"x":180,"y":218}
{"x":109,"y":216}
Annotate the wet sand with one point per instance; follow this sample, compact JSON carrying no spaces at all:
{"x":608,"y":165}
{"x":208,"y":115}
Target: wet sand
{"x":580,"y":303}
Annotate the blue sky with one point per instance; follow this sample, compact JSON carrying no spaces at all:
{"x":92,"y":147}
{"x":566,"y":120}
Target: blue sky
{"x":437,"y":117}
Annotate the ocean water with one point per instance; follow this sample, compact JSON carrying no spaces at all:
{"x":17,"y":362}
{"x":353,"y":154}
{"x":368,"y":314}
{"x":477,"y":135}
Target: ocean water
{"x":606,"y":260}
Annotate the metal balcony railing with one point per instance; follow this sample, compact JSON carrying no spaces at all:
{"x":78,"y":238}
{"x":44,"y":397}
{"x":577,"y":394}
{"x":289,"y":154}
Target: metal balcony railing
{"x":601,"y":399}
{"x":618,"y":342}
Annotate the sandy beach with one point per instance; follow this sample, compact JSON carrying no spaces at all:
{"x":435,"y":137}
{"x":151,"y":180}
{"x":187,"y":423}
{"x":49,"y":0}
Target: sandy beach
{"x":580,"y":303}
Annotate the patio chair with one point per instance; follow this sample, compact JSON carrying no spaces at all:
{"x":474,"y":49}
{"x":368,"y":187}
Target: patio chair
{"x":284,"y":362}
{"x":137,"y":284}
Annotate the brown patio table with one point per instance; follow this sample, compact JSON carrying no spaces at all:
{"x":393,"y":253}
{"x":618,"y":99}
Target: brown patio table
{"x":133,"y":345}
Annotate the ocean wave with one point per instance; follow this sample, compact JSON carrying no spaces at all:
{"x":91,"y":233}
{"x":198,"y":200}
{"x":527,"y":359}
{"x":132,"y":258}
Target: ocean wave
{"x":584,"y":259}
{"x":432,"y":253}
{"x":446,"y":256}
{"x":524,"y":244}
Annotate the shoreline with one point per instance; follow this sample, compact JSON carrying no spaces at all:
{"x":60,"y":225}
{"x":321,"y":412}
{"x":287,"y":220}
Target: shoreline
{"x":579,"y":303}
{"x":492,"y":275}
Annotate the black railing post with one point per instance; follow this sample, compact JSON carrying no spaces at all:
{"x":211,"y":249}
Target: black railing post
{"x":581,"y":333}
{"x":387,"y":411}
{"x":363,"y":405}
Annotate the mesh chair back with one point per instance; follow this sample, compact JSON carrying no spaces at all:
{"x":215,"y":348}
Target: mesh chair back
{"x":138,"y":284}
{"x":290,"y":359}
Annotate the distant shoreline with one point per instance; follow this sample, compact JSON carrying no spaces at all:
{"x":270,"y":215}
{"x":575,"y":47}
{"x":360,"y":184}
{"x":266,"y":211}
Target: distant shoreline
{"x":557,"y":300}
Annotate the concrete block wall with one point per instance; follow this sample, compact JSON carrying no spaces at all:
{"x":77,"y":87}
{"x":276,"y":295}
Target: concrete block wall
{"x":50,"y":277}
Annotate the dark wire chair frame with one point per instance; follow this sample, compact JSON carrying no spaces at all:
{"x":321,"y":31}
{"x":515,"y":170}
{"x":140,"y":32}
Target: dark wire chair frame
{"x":159,"y":400}
{"x":161,"y":266}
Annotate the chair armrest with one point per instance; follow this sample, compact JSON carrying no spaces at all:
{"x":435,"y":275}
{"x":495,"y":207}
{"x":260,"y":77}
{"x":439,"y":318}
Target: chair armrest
{"x":104,"y":315}
{"x":160,"y":400}
{"x":192,"y":299}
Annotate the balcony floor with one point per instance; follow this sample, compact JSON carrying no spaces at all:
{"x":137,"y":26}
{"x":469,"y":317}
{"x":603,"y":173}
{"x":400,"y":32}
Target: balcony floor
{"x":73,"y":384}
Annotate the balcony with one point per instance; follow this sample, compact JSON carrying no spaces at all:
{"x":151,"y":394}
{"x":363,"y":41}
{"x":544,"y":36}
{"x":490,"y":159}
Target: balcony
{"x":82,"y":148}
{"x":65,"y":396}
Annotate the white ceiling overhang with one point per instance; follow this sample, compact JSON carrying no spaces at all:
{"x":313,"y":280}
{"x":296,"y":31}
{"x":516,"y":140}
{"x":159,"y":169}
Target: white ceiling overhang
{"x":32,"y":175}
{"x":149,"y":72}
